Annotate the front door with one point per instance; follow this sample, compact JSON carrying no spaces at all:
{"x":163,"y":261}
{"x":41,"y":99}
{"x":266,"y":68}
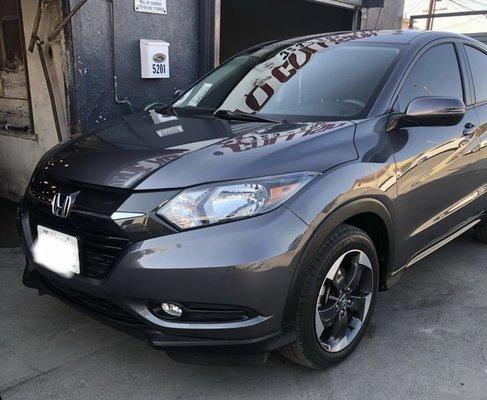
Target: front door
{"x":434,"y":174}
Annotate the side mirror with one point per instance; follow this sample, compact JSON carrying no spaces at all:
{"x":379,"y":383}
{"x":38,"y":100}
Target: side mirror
{"x":178,"y":93}
{"x":430,"y":111}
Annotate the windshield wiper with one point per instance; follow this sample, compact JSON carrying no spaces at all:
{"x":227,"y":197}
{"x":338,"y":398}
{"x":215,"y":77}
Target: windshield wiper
{"x":241,"y":116}
{"x":170,"y":110}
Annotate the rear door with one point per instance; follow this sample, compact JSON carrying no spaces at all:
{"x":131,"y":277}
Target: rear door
{"x":477,"y":60}
{"x":434,"y":167}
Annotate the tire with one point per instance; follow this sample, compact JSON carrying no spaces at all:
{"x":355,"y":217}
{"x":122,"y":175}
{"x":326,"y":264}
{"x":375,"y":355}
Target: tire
{"x":481,"y":232}
{"x":321,"y":296}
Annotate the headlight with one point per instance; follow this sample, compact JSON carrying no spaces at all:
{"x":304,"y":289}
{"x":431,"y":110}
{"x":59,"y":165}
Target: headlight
{"x":211,"y":204}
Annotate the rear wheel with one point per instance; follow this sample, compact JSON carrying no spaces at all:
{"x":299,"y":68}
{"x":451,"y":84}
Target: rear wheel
{"x":337,"y":299}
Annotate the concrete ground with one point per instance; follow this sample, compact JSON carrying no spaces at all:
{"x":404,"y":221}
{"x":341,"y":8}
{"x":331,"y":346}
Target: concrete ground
{"x":427,"y":340}
{"x":9,"y":234}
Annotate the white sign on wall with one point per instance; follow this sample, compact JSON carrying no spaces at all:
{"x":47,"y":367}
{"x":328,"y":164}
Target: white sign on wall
{"x":154,"y":58}
{"x":151,"y":6}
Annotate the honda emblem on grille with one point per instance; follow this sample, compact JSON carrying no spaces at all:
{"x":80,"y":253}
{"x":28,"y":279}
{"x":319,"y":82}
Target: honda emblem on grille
{"x":62,"y":203}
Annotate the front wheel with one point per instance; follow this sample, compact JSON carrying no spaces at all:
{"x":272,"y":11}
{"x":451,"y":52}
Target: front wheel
{"x":337,"y":299}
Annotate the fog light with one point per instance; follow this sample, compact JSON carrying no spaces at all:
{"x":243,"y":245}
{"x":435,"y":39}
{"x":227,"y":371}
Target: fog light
{"x":172,"y":309}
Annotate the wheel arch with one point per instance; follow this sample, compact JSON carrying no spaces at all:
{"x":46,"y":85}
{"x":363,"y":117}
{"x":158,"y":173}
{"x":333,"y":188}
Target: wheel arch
{"x":368,"y":214}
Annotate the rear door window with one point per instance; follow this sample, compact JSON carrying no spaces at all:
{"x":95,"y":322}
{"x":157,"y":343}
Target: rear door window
{"x":478,"y":64}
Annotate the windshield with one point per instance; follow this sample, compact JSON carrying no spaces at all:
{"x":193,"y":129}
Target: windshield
{"x":315,"y":78}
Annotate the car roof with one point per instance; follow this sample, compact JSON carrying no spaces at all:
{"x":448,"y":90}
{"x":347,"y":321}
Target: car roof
{"x":406,"y":36}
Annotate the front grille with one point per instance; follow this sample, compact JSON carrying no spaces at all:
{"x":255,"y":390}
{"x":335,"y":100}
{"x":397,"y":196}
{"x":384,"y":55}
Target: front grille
{"x":100,"y":239}
{"x":99,"y":246}
{"x":93,"y":303}
{"x":90,"y":198}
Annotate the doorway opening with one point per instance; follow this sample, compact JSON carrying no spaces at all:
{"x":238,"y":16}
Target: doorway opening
{"x":247,"y":23}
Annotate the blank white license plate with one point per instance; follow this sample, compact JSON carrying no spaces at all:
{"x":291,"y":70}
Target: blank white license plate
{"x":56,"y":251}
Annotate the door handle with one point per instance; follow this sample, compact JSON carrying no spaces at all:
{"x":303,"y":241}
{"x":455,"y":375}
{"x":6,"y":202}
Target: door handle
{"x":469,"y":130}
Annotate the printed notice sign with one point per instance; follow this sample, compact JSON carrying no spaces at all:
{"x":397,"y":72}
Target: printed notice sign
{"x":200,"y":94}
{"x":151,"y":6}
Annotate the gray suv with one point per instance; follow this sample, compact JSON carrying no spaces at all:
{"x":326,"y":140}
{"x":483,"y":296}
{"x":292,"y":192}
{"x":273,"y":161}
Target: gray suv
{"x":267,"y":205}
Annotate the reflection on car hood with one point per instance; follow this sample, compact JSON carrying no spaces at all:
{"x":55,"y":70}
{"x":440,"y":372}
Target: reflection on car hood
{"x":148,"y":151}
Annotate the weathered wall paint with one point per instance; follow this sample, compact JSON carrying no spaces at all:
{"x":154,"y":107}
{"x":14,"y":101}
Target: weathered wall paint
{"x":92,"y":56}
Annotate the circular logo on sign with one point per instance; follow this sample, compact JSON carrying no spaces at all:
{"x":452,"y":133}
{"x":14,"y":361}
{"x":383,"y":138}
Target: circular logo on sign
{"x":159,"y":57}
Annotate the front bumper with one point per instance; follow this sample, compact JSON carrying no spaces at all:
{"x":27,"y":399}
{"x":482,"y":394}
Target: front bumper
{"x":248,"y":263}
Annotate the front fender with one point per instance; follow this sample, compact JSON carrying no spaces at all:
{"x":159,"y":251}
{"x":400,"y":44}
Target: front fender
{"x":343,"y":184}
{"x":336,"y":197}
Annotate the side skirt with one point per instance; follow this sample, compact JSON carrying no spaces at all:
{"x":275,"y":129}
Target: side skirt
{"x":394,"y":277}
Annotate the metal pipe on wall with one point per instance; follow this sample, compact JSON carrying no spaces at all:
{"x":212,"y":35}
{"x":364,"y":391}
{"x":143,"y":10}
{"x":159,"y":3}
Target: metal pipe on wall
{"x":124,"y":101}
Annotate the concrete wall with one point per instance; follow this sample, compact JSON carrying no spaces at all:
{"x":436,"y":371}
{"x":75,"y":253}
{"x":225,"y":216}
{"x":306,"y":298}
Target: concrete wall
{"x":389,"y":17}
{"x":92,"y":56}
{"x":19,"y":153}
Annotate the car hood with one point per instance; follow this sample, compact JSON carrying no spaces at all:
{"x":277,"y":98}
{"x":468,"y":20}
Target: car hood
{"x":149,"y":151}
